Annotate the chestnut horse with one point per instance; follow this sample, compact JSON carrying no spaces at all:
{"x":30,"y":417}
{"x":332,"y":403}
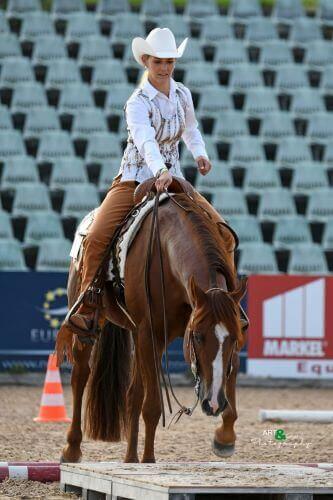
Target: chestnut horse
{"x":202,"y":298}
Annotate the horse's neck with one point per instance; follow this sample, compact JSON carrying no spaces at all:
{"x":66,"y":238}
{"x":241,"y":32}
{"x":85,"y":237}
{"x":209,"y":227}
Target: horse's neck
{"x":187,"y":258}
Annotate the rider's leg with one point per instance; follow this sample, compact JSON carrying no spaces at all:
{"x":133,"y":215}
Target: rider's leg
{"x":117,"y":203}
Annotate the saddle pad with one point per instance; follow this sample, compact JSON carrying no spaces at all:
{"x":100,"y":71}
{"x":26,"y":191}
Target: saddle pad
{"x":124,"y":242}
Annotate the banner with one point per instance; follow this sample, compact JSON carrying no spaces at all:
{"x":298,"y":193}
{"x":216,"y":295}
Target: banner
{"x":291,"y":327}
{"x":32,"y":307}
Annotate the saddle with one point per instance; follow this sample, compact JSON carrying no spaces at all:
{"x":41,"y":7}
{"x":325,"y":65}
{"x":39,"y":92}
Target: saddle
{"x":112,"y":270}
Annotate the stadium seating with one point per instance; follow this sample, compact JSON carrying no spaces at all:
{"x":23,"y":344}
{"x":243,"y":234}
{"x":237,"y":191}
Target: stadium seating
{"x":262,"y":85}
{"x":11,"y":257}
{"x":53,"y":255}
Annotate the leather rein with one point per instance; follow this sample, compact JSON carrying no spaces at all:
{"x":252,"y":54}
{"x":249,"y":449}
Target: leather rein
{"x":160,"y":377}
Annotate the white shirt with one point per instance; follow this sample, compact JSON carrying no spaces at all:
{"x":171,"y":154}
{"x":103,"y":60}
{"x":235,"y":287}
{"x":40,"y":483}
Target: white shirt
{"x":155,"y":124}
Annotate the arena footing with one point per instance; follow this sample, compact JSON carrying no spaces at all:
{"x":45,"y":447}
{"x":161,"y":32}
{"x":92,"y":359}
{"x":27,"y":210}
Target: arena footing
{"x":197,"y":481}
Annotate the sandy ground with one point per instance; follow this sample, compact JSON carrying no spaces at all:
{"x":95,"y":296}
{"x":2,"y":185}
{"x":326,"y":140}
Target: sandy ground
{"x":21,"y":439}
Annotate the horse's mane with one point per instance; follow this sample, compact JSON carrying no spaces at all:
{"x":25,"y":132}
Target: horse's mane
{"x":211,"y":240}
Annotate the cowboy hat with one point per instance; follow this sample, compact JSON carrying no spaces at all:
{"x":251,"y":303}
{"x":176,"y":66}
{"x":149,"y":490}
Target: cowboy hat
{"x":160,"y":43}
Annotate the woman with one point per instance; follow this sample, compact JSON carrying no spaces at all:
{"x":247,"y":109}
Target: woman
{"x":158,"y":114}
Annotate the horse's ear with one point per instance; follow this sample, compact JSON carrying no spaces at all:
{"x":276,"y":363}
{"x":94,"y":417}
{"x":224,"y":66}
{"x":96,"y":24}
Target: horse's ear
{"x":197,"y":295}
{"x":240,"y":291}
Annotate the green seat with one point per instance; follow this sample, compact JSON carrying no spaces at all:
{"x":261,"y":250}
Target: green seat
{"x":290,"y":231}
{"x":28,"y":95}
{"x":53,"y":255}
{"x":30,"y":198}
{"x":35,"y":25}
{"x":290,"y":77}
{"x":79,"y":200}
{"x":230,"y":52}
{"x":245,"y":150}
{"x":293,"y":150}
{"x":247,"y":229}
{"x":108,"y":73}
{"x":75,"y":96}
{"x":276,"y":203}
{"x":276,"y":125}
{"x":320,"y":205}
{"x":11,"y":144}
{"x":16,"y":70}
{"x":18,"y":9}
{"x":48,"y":49}
{"x":9,"y":46}
{"x":61,"y":73}
{"x":40,"y":120}
{"x":229,"y":202}
{"x":214,"y":103}
{"x":19,"y":170}
{"x":327,"y":236}
{"x":63,"y":9}
{"x":81,"y":25}
{"x":102,"y":147}
{"x":11,"y":257}
{"x":41,"y":226}
{"x":229,"y":125}
{"x":259,"y":177}
{"x":200,"y":75}
{"x":126,"y":26}
{"x":5,"y":119}
{"x":68,"y":171}
{"x":54,"y":145}
{"x":274,"y":53}
{"x":108,"y":172}
{"x":218,"y":177}
{"x":244,"y":77}
{"x":260,"y":102}
{"x":305,"y":102}
{"x":88,"y":121}
{"x":216,"y":29}
{"x":93,"y":49}
{"x":6,"y":230}
{"x":307,"y":259}
{"x":153,"y":9}
{"x":257,"y":258}
{"x":116,"y":99}
{"x":308,"y":177}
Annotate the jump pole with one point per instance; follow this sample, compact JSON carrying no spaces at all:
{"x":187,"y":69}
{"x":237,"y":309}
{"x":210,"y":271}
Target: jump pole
{"x":315,"y":416}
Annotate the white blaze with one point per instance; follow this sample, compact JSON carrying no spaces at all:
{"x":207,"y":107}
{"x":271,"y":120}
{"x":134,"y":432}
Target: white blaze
{"x":221,"y":333}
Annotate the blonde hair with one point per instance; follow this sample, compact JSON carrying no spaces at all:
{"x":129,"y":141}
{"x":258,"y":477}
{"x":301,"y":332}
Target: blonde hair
{"x":143,"y":78}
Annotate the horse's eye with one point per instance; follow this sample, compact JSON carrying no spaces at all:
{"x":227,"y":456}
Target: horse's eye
{"x":198,"y":337}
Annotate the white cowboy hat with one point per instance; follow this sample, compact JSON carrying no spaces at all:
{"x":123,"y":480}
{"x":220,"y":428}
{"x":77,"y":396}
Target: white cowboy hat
{"x":159,"y":43}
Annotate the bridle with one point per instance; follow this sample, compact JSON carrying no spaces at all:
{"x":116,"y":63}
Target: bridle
{"x":154,"y":229}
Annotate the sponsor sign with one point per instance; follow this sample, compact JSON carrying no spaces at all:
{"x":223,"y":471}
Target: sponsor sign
{"x":291,"y":326}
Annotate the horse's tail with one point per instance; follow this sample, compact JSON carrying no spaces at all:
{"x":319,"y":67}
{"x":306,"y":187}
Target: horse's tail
{"x":105,"y":412}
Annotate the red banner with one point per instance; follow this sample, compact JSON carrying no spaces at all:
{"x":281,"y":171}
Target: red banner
{"x":291,"y":332}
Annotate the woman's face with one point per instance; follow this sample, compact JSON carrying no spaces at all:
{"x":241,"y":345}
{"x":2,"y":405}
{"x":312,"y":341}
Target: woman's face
{"x":159,"y":70}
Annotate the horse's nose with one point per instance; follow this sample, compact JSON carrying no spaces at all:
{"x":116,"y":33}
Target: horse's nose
{"x":206,"y":408}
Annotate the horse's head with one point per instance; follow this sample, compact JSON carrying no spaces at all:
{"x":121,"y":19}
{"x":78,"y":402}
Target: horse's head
{"x":213,"y":334}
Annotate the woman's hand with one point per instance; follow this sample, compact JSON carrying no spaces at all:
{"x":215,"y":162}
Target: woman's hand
{"x":163,"y":181}
{"x":203,"y":164}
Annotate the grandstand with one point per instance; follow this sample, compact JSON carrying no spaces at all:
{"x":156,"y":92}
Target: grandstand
{"x":267,"y":119}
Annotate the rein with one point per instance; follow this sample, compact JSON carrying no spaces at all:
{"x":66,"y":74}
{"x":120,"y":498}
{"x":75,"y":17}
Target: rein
{"x":158,"y":368}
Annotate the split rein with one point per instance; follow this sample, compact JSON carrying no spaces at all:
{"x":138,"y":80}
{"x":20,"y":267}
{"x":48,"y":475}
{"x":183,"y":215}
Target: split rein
{"x":155,"y":229}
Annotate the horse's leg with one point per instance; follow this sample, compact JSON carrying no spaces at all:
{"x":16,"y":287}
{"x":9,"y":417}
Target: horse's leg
{"x":225,"y":437}
{"x":151,"y":409}
{"x":80,"y":374}
{"x":134,"y":405}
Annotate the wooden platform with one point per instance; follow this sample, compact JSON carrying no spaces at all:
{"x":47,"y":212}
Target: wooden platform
{"x":197,"y":481}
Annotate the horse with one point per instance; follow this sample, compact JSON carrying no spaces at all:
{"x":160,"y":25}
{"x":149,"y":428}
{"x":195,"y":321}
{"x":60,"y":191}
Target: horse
{"x":202,"y":296}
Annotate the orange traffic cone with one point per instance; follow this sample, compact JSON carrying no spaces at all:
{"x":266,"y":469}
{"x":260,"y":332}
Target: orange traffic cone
{"x":52,"y":407}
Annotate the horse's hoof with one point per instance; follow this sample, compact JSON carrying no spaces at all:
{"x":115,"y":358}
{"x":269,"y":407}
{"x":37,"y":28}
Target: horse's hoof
{"x":70,"y":460}
{"x":148,"y":461}
{"x":223,"y":450}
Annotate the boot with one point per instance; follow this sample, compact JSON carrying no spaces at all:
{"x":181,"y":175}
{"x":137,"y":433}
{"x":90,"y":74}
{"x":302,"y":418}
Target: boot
{"x":84,"y":317}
